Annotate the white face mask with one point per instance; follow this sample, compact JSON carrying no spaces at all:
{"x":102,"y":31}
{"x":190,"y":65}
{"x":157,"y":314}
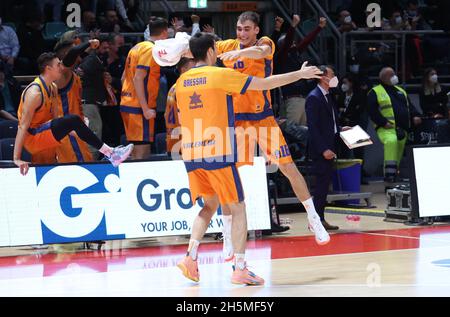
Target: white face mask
{"x":334,"y":82}
{"x":348,"y":19}
{"x":398,"y":20}
{"x":345,"y":87}
{"x":434,"y":79}
{"x":394,"y":80}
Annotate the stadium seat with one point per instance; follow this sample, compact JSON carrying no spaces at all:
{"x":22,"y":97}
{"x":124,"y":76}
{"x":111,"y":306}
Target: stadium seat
{"x":8,"y":129}
{"x":54,"y":30}
{"x":7,"y":150}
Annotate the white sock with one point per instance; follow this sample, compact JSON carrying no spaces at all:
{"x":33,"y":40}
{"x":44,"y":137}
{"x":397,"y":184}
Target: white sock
{"x":106,"y":150}
{"x":310,"y":209}
{"x":193,"y":248}
{"x":239,"y":261}
{"x":227,"y":224}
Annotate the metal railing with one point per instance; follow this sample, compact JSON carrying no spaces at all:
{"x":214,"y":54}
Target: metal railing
{"x":287,"y":17}
{"x":343,"y":46}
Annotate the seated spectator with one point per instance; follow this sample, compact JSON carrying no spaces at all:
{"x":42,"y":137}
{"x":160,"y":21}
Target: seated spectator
{"x":88,"y":22}
{"x":3,"y":113}
{"x":32,"y":44}
{"x":9,"y":46}
{"x":110,"y":22}
{"x":414,"y":17}
{"x":345,"y":22}
{"x":350,"y":102}
{"x":396,"y":22}
{"x":433,"y":98}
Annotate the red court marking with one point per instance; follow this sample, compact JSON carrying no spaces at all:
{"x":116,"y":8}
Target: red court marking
{"x":211,"y":253}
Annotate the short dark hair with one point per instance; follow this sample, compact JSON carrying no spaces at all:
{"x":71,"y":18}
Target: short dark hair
{"x":324,"y":69}
{"x":44,"y":60}
{"x":183,"y":62}
{"x":249,"y":16}
{"x":200,"y":43}
{"x":157,"y":25}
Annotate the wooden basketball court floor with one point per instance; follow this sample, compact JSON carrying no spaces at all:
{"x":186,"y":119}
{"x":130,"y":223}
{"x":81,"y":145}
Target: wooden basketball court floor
{"x":365,"y":258}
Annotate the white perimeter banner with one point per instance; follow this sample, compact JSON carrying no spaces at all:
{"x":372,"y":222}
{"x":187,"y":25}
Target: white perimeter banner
{"x":70,"y":203}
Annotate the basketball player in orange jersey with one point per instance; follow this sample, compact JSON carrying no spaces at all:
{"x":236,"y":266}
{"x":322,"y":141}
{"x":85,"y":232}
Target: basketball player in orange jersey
{"x":253,"y":56}
{"x":205,"y":101}
{"x":72,"y":149}
{"x":140,"y":90}
{"x":40,"y":131}
{"x":171,"y":114}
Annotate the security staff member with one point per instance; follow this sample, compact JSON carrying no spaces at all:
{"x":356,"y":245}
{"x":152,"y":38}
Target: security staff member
{"x":391,"y":111}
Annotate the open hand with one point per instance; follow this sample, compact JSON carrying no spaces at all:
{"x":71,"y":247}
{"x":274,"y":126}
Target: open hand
{"x":24,"y":166}
{"x":310,"y":72}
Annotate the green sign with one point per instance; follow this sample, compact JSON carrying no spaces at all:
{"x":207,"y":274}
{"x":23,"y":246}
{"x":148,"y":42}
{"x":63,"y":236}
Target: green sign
{"x":198,"y":4}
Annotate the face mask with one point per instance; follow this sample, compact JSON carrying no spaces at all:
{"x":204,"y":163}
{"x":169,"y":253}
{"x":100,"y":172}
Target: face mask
{"x":334,"y":82}
{"x":394,"y":80}
{"x":345,"y":87}
{"x":348,"y":19}
{"x":412,"y":14}
{"x":354,"y":68}
{"x":398,"y":20}
{"x":434,"y":79}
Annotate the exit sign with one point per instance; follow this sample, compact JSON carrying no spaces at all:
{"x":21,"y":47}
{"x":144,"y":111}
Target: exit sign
{"x":197,"y":4}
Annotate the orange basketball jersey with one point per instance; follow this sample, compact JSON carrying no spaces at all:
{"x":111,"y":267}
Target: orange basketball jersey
{"x":40,"y":137}
{"x":205,"y":103}
{"x":140,"y":57}
{"x":72,"y":148}
{"x":253,"y":105}
{"x":171,"y":117}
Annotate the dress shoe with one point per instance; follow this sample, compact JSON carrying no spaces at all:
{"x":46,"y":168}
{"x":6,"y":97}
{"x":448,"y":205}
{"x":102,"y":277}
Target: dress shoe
{"x":277,"y":228}
{"x":329,"y":227}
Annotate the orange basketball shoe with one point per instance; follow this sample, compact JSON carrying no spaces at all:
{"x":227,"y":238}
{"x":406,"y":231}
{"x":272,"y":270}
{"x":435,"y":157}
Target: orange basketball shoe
{"x":245,"y":277}
{"x":189,"y":268}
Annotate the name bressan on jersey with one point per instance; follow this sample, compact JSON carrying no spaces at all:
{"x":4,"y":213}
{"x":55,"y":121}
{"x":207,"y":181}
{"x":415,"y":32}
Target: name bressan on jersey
{"x":195,"y":82}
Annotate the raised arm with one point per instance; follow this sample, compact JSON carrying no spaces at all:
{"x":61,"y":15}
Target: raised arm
{"x":306,"y":72}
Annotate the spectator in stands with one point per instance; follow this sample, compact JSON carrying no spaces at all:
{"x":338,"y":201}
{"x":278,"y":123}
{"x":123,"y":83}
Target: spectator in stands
{"x":392,"y":112}
{"x":3,"y":113}
{"x":111,"y":22}
{"x":116,"y":60}
{"x":433,"y":98}
{"x":351,"y":108}
{"x":345,"y":22}
{"x":288,"y":58}
{"x":32,"y":44}
{"x":94,"y":90}
{"x":56,"y":6}
{"x":9,"y":46}
{"x":396,"y":22}
{"x":88,"y":22}
{"x":414,"y":17}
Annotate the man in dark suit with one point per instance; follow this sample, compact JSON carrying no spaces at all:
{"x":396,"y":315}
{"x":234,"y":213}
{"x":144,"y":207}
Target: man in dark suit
{"x":322,"y":115}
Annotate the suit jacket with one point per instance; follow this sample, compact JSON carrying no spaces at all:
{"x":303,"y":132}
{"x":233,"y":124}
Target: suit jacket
{"x":320,"y":123}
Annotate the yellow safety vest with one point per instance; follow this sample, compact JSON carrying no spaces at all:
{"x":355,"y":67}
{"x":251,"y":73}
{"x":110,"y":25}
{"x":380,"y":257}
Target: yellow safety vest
{"x":385,"y":102}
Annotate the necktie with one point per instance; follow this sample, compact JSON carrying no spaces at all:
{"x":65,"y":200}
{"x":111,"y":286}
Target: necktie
{"x":332,"y":111}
